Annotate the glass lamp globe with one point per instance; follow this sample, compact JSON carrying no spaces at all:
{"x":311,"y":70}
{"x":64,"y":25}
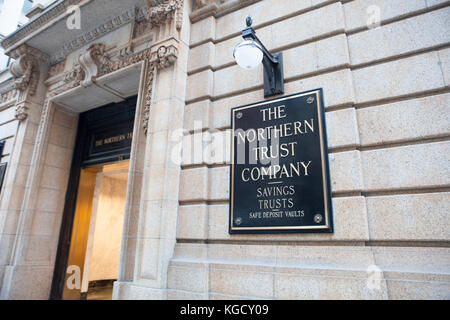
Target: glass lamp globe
{"x":248,"y":54}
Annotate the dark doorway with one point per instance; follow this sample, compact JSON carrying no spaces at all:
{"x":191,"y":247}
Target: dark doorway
{"x":95,"y":201}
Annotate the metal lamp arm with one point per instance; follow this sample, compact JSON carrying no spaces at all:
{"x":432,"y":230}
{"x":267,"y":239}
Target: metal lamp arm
{"x":273,"y":64}
{"x":250,"y":34}
{"x":266,"y":52}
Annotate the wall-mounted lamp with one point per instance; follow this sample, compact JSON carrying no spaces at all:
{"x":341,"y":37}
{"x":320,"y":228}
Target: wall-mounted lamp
{"x":249,"y":54}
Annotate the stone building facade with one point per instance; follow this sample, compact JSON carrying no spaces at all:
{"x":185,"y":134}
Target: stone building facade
{"x":385,"y":71}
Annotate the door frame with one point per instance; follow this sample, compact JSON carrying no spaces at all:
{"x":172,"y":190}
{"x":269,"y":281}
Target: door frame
{"x":81,"y":159}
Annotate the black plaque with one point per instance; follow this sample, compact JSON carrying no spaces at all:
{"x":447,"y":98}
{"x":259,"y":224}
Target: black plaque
{"x":279,"y":173}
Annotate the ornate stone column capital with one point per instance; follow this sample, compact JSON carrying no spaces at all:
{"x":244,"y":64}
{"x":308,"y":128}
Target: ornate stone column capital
{"x":164,"y":56}
{"x":161,"y":12}
{"x":26,"y":70}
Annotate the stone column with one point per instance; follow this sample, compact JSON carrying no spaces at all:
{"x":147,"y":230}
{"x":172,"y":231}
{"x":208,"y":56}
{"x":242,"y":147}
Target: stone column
{"x":164,"y":113}
{"x":19,"y":246}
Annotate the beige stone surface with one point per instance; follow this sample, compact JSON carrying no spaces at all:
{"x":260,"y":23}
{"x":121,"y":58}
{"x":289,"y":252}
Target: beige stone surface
{"x":411,"y":217}
{"x":30,"y":282}
{"x":201,"y":57}
{"x":192,"y":222}
{"x":203,"y":31}
{"x":406,"y":120}
{"x":197,"y":115}
{"x":243,"y":283}
{"x":46,"y":224}
{"x":218,"y":186}
{"x":39,"y":250}
{"x":59,"y":157}
{"x":200,"y":86}
{"x":338,"y":87}
{"x":414,"y":262}
{"x":411,"y":35}
{"x":338,"y":91}
{"x":348,"y":287}
{"x":234,"y":78}
{"x":8,"y":129}
{"x":6,"y":247}
{"x":164,"y":110}
{"x":7,"y":115}
{"x":65,"y":118}
{"x":24,"y":158}
{"x":356,"y":14}
{"x":132,"y":291}
{"x":185,"y":295}
{"x":50,"y":200}
{"x":418,"y":290}
{"x":342,"y":128}
{"x":434,"y":3}
{"x":444,"y":57}
{"x":287,"y":32}
{"x":398,"y":78}
{"x":263,"y":12}
{"x":345,"y":171}
{"x":62,"y":136}
{"x":349,"y":217}
{"x":194,"y":184}
{"x":14,"y":194}
{"x":188,"y":279}
{"x":310,"y":272}
{"x":408,"y":167}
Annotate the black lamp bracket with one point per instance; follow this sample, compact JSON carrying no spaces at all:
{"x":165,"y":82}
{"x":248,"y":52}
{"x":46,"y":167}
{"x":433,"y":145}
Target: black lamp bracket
{"x":273,"y":64}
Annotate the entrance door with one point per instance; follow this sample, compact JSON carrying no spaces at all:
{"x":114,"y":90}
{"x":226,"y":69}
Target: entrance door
{"x":87,"y":261}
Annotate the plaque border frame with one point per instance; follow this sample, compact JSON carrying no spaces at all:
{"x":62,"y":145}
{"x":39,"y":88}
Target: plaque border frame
{"x":328,"y":227}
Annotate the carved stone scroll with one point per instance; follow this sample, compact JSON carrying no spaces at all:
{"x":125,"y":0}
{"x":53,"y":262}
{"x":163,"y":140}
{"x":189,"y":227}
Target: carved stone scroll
{"x":25,"y":69}
{"x":161,"y":12}
{"x":26,"y":72}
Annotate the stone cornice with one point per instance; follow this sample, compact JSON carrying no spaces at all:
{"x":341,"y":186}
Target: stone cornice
{"x":160,"y":12}
{"x":96,"y":33}
{"x":96,"y":62}
{"x":59,"y":10}
{"x":216,"y":8}
{"x":157,"y":12}
{"x":56,"y":10}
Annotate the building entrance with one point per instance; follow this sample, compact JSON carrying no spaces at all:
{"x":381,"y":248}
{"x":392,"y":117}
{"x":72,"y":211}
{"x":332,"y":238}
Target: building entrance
{"x":87,"y":261}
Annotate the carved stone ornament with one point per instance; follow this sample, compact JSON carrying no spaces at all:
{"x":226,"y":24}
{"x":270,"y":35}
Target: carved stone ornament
{"x":25,"y":69}
{"x":8,"y":96}
{"x":26,"y":73}
{"x":164,"y":57}
{"x":21,"y":111}
{"x":203,"y":3}
{"x":161,"y":12}
{"x":94,"y":63}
